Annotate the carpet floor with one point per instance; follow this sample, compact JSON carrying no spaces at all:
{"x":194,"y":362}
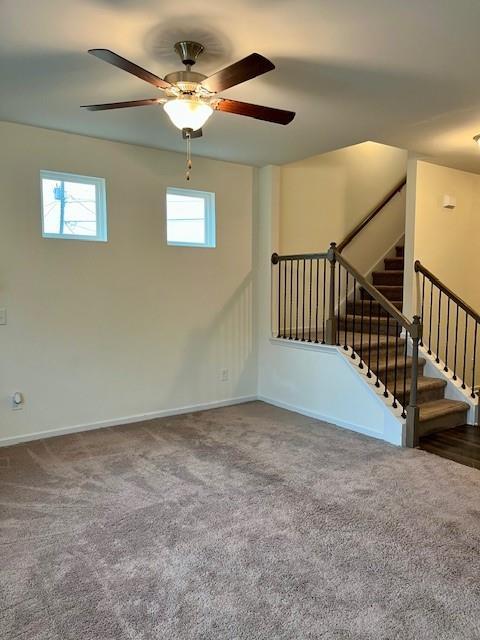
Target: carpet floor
{"x":247,"y":522}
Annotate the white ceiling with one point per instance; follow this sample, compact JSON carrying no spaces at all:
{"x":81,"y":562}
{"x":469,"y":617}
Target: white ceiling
{"x":402,"y":72}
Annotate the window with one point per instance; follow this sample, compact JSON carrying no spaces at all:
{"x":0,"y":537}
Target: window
{"x":190,"y":218}
{"x":73,"y":207}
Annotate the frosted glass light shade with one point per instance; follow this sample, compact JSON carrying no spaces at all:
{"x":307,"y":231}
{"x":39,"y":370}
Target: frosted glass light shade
{"x":188,"y":113}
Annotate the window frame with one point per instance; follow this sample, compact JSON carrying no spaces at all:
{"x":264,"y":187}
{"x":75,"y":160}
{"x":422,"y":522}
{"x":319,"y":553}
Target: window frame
{"x":100,"y":205}
{"x":208,"y":198}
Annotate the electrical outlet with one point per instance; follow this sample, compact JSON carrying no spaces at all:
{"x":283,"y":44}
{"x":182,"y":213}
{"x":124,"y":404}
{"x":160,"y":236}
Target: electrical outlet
{"x":3,"y":316}
{"x":224,"y":375}
{"x":17,"y":401}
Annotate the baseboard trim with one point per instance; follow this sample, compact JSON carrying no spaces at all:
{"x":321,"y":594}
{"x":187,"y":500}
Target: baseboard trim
{"x":141,"y":417}
{"x":351,"y":426}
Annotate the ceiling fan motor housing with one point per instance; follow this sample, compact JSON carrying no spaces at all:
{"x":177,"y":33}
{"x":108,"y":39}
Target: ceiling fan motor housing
{"x":186,"y":80}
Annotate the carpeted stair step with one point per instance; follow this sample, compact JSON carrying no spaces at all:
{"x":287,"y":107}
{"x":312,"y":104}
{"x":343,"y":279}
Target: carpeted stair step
{"x":394,"y":264}
{"x":394,"y":278}
{"x":376,"y":308}
{"x":359,"y":342}
{"x":390,"y":292}
{"x":428,"y":389}
{"x":439,"y":415}
{"x":399,"y":252}
{"x":378,"y":324}
{"x":383,"y":347}
{"x":387,"y":376}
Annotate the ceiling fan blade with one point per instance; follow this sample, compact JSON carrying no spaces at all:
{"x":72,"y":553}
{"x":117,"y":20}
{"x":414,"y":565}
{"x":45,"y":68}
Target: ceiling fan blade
{"x":121,"y":105}
{"x":130,"y":67}
{"x":246,"y":69}
{"x":279,"y":116}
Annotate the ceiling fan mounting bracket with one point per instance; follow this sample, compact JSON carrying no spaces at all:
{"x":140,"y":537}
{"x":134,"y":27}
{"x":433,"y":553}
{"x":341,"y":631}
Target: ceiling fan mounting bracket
{"x":188,"y":50}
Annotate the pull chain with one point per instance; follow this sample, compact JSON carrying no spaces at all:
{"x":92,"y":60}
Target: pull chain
{"x":189,"y":155}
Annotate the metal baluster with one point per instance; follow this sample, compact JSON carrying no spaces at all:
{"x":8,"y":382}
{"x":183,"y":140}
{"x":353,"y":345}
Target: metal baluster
{"x":298,"y":303}
{"x":423,"y":301}
{"x":394,"y":405}
{"x":339,"y":303}
{"x":284,"y":299}
{"x":324,"y":297}
{"x":456,"y":345}
{"x":430,"y":323}
{"x":303,"y":302}
{"x":437,"y":359}
{"x":310,"y":306}
{"x":464,"y":386}
{"x":361,"y":333}
{"x":354,"y":316}
{"x":346,"y":303}
{"x":316,"y":304}
{"x":291,"y":299}
{"x":474,"y":360}
{"x":405,"y":355}
{"x":385,"y":392}
{"x":279,"y":299}
{"x":377,"y":381}
{"x":445,"y":368}
{"x":369,"y":372}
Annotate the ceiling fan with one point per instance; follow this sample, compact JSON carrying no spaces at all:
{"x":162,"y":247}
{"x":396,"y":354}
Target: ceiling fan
{"x":191,"y":97}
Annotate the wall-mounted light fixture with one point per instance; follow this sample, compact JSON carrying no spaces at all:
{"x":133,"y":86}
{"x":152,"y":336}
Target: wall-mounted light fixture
{"x":477,"y":138}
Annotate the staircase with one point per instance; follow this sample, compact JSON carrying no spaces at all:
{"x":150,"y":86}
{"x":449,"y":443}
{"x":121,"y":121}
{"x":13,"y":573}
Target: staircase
{"x":364,"y":317}
{"x":323,"y":298}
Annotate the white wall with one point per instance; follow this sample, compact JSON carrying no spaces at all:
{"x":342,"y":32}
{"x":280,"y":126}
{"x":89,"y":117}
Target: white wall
{"x":446,"y":241}
{"x":325,"y":197}
{"x":105,"y":331}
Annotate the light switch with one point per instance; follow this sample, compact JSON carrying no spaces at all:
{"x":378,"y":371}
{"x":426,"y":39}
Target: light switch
{"x":3,"y":316}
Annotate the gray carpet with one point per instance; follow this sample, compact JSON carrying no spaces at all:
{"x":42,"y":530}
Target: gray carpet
{"x":246,"y":522}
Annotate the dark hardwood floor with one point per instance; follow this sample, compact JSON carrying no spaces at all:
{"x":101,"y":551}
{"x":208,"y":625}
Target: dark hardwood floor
{"x":461,"y":444}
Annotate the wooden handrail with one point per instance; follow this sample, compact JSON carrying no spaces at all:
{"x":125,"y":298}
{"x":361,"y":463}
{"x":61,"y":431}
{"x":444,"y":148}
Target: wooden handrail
{"x":350,"y":236}
{"x":397,"y":315}
{"x":448,"y":292}
{"x":299,"y":256}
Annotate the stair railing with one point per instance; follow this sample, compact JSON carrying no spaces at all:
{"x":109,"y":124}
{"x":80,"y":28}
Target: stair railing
{"x":312,"y":294}
{"x":369,"y":217}
{"x":451,"y":328}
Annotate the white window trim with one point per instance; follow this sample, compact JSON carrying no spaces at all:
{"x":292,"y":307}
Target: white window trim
{"x":100,"y":203}
{"x":210,"y":224}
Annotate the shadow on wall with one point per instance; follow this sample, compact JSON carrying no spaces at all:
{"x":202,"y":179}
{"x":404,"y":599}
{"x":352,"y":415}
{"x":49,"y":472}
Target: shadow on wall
{"x":228,"y":342}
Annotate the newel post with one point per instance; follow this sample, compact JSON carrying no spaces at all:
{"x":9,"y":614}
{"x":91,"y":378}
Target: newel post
{"x":412,"y":431}
{"x":331,"y":324}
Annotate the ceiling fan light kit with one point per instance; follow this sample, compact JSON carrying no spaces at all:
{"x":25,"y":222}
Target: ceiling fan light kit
{"x":191,"y":97}
{"x":188,"y":112}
